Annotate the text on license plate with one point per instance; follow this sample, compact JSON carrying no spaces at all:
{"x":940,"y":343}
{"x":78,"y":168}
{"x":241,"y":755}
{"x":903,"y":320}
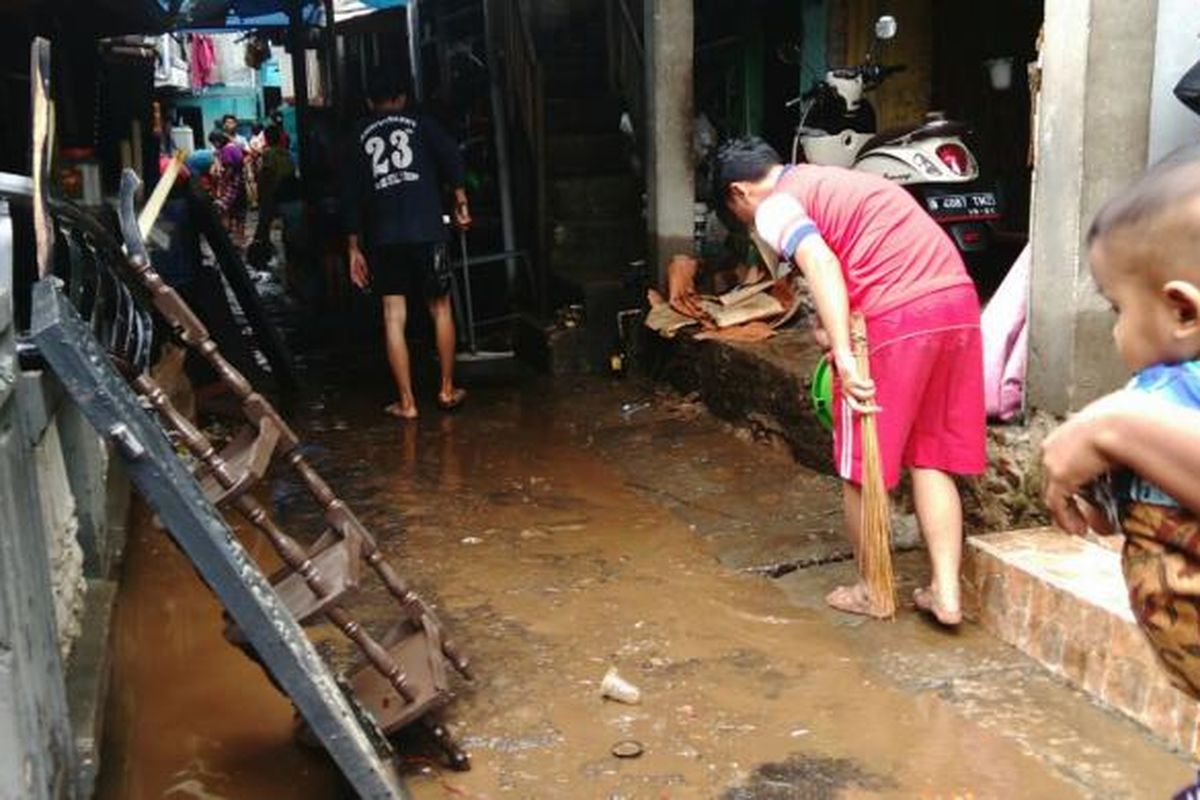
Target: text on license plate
{"x":976,"y":204}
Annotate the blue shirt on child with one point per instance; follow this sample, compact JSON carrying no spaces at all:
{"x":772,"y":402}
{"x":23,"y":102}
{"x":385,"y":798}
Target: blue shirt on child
{"x":1178,"y":384}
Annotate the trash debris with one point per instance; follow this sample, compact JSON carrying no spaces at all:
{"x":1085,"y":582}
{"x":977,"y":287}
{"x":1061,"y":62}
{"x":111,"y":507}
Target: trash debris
{"x":629,"y":409}
{"x":796,"y":734}
{"x":617,"y":688}
{"x":628,"y":748}
{"x":472,"y":540}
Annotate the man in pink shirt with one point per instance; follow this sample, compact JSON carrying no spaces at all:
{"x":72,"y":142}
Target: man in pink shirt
{"x":865,"y":246}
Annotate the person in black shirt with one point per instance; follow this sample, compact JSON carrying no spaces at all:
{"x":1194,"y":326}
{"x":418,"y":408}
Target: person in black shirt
{"x":400,"y":161}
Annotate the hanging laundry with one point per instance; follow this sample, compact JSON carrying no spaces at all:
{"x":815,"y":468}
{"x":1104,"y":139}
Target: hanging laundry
{"x":1006,"y":342}
{"x":202,"y":61}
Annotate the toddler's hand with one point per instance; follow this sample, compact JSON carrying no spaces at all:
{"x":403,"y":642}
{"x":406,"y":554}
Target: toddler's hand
{"x":1072,"y":457}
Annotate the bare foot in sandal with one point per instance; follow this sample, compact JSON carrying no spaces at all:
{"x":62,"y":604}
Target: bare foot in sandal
{"x":853,"y":600}
{"x":400,"y":411}
{"x":944,"y":610}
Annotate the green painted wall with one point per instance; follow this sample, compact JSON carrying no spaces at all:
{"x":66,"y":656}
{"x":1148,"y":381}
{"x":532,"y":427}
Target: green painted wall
{"x":816,"y":17}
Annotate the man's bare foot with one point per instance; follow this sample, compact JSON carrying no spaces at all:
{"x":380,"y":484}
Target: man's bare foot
{"x":853,"y":600}
{"x":451,"y":401}
{"x":944,"y":611}
{"x":400,"y":411}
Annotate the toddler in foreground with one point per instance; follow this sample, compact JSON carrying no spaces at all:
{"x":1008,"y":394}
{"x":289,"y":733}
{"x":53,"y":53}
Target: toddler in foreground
{"x":1131,"y":460}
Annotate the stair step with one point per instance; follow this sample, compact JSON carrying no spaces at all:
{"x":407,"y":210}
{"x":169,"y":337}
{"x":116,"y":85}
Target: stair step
{"x":609,"y":261}
{"x":623,"y":235}
{"x":593,"y":197}
{"x":597,"y":114}
{"x":587,"y":154}
{"x":1062,"y":600}
{"x":581,"y":58}
{"x":574,"y":82}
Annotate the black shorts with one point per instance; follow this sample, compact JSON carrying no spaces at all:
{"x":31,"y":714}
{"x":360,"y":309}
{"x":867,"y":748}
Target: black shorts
{"x":410,"y":270}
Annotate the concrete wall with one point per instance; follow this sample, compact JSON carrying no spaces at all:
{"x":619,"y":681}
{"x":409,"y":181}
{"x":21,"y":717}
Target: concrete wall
{"x":37,"y":758}
{"x":1093,"y":120}
{"x":63,"y":505}
{"x":1176,"y":48}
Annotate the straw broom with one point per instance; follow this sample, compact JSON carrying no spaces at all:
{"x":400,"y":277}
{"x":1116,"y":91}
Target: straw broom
{"x":874,"y":549}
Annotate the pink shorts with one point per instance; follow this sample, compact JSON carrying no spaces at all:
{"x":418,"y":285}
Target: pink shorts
{"x":927,"y":364}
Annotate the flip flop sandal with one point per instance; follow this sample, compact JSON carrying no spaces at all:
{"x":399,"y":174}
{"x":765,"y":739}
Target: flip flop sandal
{"x":456,"y":399}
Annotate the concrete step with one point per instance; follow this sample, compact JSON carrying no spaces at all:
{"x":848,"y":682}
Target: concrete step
{"x":587,"y":154}
{"x":551,"y":348}
{"x":1062,"y":600}
{"x":592,"y":198}
{"x":603,"y":293}
{"x":760,"y":384}
{"x":583,"y":114}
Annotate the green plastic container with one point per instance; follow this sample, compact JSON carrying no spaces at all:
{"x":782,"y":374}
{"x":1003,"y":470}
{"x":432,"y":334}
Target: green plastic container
{"x":820,"y":393}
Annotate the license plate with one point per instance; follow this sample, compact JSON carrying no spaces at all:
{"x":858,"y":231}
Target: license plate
{"x":975,"y":204}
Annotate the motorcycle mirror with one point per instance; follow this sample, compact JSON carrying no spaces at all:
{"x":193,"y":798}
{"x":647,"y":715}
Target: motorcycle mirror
{"x":885,"y":27}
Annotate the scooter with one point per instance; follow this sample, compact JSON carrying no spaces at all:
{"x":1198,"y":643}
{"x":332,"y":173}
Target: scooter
{"x":838,"y":128}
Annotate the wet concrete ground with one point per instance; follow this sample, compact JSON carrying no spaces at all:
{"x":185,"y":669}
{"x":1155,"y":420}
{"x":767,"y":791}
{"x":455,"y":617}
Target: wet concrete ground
{"x":559,"y":537}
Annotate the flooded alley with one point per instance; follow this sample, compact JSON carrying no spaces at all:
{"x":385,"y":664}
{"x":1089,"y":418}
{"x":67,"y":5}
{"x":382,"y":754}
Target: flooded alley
{"x":563,"y":528}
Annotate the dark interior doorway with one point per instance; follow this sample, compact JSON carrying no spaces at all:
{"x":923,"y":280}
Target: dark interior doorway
{"x":966,"y":36}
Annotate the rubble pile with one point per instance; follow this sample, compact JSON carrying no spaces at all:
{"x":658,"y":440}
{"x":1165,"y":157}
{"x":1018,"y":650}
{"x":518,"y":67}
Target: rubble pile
{"x":1009,"y":496}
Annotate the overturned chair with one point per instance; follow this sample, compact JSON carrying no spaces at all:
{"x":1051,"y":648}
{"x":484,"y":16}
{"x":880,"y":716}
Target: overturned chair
{"x":93,"y":323}
{"x":403,"y":678}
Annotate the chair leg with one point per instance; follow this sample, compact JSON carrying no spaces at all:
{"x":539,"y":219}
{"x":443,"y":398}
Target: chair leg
{"x":457,"y":757}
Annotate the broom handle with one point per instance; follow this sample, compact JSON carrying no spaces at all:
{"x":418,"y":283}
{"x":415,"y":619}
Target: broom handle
{"x":858,"y":340}
{"x":874,"y":551}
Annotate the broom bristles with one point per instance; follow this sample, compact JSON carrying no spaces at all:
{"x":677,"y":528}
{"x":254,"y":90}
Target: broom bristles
{"x":875,"y":548}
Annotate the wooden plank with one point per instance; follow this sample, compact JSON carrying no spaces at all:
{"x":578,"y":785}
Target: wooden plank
{"x":176,"y":497}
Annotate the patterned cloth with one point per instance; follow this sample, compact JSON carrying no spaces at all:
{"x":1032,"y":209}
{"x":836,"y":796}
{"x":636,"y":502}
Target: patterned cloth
{"x":1161,"y":562}
{"x":1161,"y":557}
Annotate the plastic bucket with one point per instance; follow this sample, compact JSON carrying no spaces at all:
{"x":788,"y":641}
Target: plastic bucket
{"x":820,"y":393}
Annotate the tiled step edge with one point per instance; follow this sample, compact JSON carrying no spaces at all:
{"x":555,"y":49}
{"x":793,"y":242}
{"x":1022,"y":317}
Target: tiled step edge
{"x":1062,"y":601}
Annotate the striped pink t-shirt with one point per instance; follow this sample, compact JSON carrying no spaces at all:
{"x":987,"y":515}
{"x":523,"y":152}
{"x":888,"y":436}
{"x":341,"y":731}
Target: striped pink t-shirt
{"x":891,"y":251}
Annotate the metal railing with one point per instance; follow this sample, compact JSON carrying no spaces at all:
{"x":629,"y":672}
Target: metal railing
{"x":526,"y":87}
{"x":626,"y":60}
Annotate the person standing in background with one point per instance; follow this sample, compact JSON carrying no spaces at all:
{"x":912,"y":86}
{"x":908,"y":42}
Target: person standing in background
{"x":401,"y":161}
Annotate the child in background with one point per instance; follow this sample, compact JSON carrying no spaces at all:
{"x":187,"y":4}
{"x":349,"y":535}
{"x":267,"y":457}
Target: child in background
{"x":230,"y":195}
{"x":1131,"y":461}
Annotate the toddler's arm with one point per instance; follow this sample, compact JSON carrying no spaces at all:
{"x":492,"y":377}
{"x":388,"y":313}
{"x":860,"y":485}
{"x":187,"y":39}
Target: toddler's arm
{"x":1157,"y":440}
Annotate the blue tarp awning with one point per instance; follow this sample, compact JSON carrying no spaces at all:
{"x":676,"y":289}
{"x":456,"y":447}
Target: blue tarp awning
{"x":247,"y":14}
{"x":243,"y":14}
{"x":218,"y":15}
{"x":345,"y":10}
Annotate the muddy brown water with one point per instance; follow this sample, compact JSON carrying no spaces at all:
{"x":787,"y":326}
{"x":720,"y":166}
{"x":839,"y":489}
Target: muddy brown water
{"x":519,"y":519}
